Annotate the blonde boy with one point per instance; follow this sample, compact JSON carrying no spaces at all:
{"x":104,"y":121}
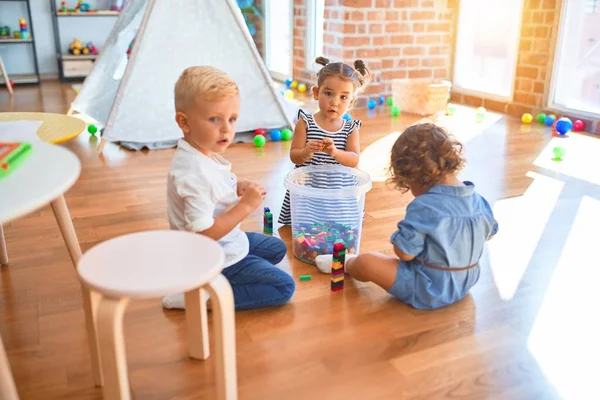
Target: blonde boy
{"x":205,"y":197}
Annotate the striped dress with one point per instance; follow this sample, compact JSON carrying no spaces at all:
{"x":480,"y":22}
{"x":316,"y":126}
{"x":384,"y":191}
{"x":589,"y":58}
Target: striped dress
{"x":315,"y":212}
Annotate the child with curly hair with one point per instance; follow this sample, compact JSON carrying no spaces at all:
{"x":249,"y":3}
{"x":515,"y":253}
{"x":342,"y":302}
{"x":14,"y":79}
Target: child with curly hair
{"x":441,"y":239}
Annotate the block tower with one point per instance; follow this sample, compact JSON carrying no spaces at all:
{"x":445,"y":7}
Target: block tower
{"x":268,"y":221}
{"x":337,"y":267}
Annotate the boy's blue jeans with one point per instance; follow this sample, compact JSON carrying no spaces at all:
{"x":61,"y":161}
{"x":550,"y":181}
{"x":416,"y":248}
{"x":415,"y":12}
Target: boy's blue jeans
{"x":255,"y":280}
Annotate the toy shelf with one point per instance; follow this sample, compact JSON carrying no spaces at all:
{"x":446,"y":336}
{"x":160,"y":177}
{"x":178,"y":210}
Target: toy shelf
{"x":73,"y":67}
{"x":16,"y":40}
{"x":99,"y":13}
{"x":22,"y":78}
{"x":79,"y":57}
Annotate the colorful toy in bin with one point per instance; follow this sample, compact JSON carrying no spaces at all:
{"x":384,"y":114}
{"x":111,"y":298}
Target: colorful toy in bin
{"x":12,"y":155}
{"x":337,"y":267}
{"x":267,"y":221}
{"x":311,"y":240}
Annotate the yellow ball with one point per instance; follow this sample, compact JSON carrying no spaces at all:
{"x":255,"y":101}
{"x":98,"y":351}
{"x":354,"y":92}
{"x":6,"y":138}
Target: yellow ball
{"x":527,"y":118}
{"x":481,"y":110}
{"x":288,"y":94}
{"x":294,"y":84}
{"x":302,"y":88}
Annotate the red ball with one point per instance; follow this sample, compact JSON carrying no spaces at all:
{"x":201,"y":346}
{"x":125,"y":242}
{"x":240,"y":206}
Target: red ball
{"x":578,"y":125}
{"x":260,"y":132}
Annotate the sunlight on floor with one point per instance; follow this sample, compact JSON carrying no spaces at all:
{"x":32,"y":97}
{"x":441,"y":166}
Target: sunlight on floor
{"x":522,"y":221}
{"x":580,"y":161}
{"x":375,"y":161}
{"x":564,"y":337}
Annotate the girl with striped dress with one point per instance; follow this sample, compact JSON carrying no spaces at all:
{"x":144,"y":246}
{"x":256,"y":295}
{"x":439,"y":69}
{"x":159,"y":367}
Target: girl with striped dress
{"x":325,"y":138}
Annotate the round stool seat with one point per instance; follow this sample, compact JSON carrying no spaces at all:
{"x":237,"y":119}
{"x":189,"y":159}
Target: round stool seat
{"x":151,"y":264}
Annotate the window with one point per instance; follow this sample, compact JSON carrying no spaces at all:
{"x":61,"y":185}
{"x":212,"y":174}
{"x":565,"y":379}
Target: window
{"x":486,"y":47}
{"x":315,"y":9}
{"x":576,"y":78}
{"x":279,"y":15}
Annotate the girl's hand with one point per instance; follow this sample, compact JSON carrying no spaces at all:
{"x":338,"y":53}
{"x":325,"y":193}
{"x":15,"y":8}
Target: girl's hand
{"x":311,"y":147}
{"x":329,"y":147}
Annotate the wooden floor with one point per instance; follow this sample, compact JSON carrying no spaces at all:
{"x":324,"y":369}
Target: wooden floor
{"x":527,"y":331}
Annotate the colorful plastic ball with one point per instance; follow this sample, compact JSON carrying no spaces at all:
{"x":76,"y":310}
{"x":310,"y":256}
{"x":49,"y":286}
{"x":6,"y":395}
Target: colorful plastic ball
{"x":347,"y":117}
{"x":260,"y":131}
{"x":526,"y":118}
{"x":302,"y":87}
{"x":395,"y":111}
{"x":286,"y":134}
{"x":381,"y":100}
{"x":549,"y":120}
{"x":558,"y":152}
{"x":259,"y":140}
{"x":92,"y":129}
{"x":371,"y":104}
{"x":578,"y":125}
{"x":275,"y":135}
{"x":288,"y":82}
{"x":294,"y":84}
{"x":563,"y":126}
{"x":541,"y":118}
{"x":450,"y":109}
{"x":288,"y":94}
{"x":390,"y":101}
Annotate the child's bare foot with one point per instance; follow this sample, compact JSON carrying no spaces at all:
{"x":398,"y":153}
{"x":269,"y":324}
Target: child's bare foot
{"x":324,"y":262}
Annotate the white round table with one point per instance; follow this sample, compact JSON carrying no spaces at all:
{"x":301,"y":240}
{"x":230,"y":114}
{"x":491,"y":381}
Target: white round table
{"x":153,"y":264}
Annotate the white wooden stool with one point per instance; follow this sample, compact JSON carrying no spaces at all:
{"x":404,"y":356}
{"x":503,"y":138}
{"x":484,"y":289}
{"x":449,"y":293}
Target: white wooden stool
{"x":151,"y":265}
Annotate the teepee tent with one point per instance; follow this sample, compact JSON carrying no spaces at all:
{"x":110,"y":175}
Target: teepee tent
{"x":133,"y":97}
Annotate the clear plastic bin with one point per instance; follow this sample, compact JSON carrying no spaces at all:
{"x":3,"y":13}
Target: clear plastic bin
{"x":327,"y":203}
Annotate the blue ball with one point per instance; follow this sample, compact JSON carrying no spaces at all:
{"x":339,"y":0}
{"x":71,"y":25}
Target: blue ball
{"x":347,"y":117}
{"x":371,"y":104}
{"x":288,"y":82}
{"x":563,"y":125}
{"x":549,"y":120}
{"x":275,"y":135}
{"x":381,"y":100}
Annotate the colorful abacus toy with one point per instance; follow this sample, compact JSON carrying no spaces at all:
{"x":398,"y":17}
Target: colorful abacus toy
{"x":268,"y":221}
{"x":312,"y":240}
{"x":337,"y":267}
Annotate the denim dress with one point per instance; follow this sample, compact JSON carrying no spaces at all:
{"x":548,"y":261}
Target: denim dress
{"x":446,"y":227}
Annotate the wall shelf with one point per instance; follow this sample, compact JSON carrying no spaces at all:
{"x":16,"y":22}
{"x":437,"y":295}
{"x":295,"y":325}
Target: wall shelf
{"x":16,"y":77}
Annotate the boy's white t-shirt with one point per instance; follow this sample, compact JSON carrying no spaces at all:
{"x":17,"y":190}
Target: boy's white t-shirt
{"x":200,"y":188}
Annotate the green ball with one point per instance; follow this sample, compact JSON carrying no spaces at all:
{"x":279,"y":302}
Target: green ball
{"x":286,"y":134}
{"x":92,"y":129}
{"x":395,"y":111}
{"x":390,"y":101}
{"x":541,"y":117}
{"x":259,"y":140}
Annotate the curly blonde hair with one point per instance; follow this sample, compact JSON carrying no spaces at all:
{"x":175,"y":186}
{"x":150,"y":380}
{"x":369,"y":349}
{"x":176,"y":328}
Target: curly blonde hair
{"x":424,"y":154}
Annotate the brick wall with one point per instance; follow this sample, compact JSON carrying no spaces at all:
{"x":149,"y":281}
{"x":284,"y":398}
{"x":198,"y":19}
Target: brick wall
{"x":395,"y":38}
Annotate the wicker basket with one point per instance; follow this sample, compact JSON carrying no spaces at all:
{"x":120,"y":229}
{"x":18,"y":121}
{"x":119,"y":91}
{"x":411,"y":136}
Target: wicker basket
{"x":421,"y":96}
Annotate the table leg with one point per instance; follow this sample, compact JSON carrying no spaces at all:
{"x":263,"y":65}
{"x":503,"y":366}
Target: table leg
{"x":3,"y":251}
{"x":8,"y":390}
{"x":61,"y":212}
{"x":90,"y":300}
